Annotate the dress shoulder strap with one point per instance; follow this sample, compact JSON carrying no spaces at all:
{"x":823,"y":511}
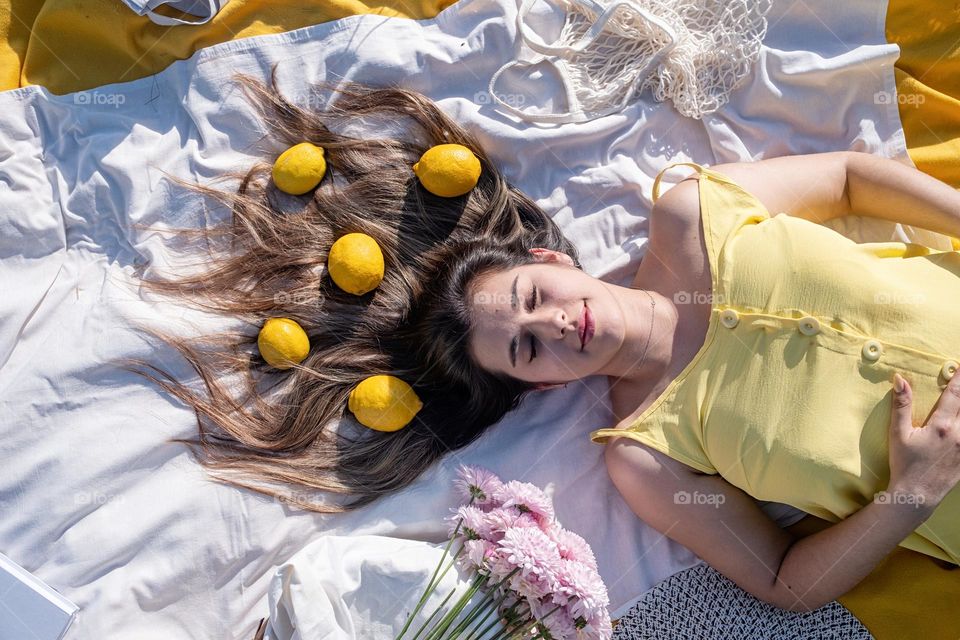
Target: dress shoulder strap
{"x":656,"y":182}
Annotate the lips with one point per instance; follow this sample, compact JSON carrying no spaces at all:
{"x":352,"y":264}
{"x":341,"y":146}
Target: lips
{"x":586,"y":326}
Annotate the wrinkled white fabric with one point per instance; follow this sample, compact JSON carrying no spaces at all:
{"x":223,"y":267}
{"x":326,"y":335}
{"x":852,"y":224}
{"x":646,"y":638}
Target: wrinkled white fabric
{"x":200,"y":10}
{"x":99,"y":505}
{"x":345,"y":587}
{"x":691,"y":52}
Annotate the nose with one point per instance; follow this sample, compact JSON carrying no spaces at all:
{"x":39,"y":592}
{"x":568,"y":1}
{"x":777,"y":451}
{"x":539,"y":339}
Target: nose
{"x":550,"y":324}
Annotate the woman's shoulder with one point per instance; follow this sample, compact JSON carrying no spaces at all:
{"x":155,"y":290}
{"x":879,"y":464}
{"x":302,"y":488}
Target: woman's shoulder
{"x":619,"y":448}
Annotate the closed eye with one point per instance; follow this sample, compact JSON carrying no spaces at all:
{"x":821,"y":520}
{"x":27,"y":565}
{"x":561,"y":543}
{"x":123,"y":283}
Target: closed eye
{"x":533,"y":339}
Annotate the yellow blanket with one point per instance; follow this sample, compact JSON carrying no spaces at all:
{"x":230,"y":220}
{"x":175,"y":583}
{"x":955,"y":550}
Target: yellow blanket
{"x":910,"y":595}
{"x":71,"y":45}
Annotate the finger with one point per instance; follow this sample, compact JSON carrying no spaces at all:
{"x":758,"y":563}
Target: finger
{"x":901,"y":409}
{"x":949,"y":403}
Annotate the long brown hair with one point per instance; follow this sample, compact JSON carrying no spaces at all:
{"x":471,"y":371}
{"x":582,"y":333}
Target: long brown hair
{"x":280,"y":437}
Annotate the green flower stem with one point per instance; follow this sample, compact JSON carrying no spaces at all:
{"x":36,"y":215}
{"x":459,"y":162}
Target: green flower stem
{"x":475,"y":611}
{"x":496,"y":605}
{"x":431,"y":586}
{"x":522,"y":630}
{"x":540,"y":635}
{"x":478,"y":609}
{"x":438,"y":631}
{"x":433,"y":615}
{"x":511,"y":628}
{"x":543,"y":631}
{"x":431,"y":590}
{"x":523,"y":626}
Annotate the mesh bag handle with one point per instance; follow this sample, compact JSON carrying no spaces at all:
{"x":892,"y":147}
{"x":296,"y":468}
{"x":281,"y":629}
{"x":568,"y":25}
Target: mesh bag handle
{"x":603,"y":13}
{"x":554,"y":54}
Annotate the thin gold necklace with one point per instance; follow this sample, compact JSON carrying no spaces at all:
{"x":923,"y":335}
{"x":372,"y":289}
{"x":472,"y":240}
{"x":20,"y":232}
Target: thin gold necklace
{"x":653,"y":308}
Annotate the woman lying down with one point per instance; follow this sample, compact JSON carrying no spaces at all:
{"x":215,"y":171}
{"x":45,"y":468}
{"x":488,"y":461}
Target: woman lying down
{"x":757,"y":354}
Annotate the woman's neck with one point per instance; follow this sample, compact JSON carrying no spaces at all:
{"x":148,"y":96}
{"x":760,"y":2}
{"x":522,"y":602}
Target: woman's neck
{"x":647,"y":349}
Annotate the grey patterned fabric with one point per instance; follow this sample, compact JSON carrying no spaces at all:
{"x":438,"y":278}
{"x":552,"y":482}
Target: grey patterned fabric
{"x":701,"y":603}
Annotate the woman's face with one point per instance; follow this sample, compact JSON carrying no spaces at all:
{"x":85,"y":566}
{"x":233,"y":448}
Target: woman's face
{"x":527,"y":321}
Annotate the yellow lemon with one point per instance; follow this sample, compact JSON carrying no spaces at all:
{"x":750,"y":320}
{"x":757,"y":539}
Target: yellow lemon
{"x":283,"y":343}
{"x":448,"y":170}
{"x":384,"y":403}
{"x":299,"y":169}
{"x":355,"y":263}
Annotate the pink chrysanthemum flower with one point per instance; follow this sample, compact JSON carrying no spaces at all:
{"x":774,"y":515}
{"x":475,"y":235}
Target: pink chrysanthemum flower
{"x":572,"y":546}
{"x":583,"y":586}
{"x":474,"y":526}
{"x":477,"y":483}
{"x":477,"y":553}
{"x":501,"y":519}
{"x":536,"y":555}
{"x":500,"y":566}
{"x":558,"y":622}
{"x":526,"y":498}
{"x":598,"y":628}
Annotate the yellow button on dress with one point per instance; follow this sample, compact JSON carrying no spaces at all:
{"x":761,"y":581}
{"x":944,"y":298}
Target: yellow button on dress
{"x":789,"y":397}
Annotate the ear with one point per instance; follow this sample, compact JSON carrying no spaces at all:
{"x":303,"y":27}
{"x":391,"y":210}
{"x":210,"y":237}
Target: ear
{"x":549,"y":255}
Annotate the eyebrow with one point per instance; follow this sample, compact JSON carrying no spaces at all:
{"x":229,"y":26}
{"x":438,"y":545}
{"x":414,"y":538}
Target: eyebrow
{"x":515,"y":342}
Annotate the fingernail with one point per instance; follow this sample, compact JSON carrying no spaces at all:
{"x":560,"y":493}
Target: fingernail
{"x":898,"y":383}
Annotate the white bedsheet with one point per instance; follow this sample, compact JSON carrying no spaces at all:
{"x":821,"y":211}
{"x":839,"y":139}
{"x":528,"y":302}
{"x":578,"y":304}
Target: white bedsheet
{"x":94,"y":500}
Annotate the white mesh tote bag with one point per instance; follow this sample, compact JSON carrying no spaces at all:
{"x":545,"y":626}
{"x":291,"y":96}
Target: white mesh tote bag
{"x":693,"y":52}
{"x":700,"y":602}
{"x":202,"y":9}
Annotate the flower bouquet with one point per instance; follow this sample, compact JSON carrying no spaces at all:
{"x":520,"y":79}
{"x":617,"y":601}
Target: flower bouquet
{"x":536,"y":580}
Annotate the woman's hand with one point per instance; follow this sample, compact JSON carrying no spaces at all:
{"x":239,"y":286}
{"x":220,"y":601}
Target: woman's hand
{"x":925,"y":462}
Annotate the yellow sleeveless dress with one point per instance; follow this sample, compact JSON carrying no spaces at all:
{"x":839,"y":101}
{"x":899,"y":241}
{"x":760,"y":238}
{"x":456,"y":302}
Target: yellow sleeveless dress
{"x":789,"y":397}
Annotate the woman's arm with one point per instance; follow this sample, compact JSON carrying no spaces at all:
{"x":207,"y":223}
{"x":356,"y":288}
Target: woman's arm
{"x":824,"y":566}
{"x":731,"y":533}
{"x":727,"y":529}
{"x":883,"y":188}
{"x":822,"y":186}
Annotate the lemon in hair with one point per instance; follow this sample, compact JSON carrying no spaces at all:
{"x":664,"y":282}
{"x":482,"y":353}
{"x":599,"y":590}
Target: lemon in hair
{"x":283,"y":343}
{"x":448,"y":170}
{"x":299,"y":169}
{"x":384,"y":403}
{"x":355,"y":263}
